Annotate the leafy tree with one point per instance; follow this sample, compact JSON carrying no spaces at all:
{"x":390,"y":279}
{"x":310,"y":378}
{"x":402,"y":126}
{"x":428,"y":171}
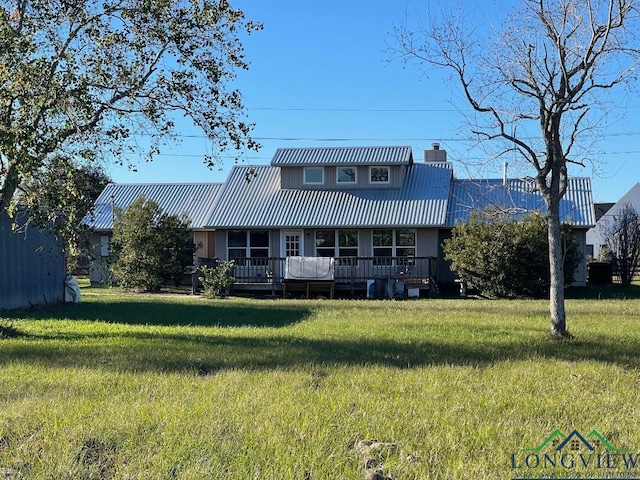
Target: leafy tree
{"x":501,"y":256}
{"x":537,"y":85}
{"x":149,"y":248}
{"x":83,"y":78}
{"x":62,"y":193}
{"x":622,"y":237}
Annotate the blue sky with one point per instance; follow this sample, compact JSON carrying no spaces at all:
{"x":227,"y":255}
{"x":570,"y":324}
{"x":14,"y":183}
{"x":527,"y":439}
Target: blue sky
{"x":320,"y":76}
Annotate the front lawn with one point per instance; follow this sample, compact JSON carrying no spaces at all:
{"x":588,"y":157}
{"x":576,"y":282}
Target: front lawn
{"x":135,"y":386}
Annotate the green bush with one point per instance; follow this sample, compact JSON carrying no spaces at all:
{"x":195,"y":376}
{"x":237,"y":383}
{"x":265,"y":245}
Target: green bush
{"x":503,"y":257}
{"x":217,"y":280}
{"x":149,"y":248}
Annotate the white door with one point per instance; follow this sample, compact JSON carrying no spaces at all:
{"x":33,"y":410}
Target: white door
{"x":292,"y":244}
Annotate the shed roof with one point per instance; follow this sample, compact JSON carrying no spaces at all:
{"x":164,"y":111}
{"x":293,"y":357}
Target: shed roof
{"x":328,"y":156}
{"x":261,"y":203}
{"x":519,"y":197}
{"x":193,"y":199}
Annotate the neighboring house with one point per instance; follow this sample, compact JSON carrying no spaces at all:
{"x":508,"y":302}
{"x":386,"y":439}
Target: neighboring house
{"x":378,"y":212}
{"x":596,"y":236}
{"x":195,"y":200}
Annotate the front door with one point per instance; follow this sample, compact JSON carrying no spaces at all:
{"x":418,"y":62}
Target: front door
{"x":292,"y":244}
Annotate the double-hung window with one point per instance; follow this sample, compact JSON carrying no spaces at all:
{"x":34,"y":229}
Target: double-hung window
{"x":243,"y":244}
{"x":337,"y":243}
{"x":393,"y":243}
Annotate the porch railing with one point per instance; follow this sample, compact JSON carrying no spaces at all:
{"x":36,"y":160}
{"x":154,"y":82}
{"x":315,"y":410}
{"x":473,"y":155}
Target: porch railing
{"x":353,"y":271}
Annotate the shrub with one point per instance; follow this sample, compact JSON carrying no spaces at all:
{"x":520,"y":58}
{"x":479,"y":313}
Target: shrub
{"x":217,"y":280}
{"x":150,"y":248}
{"x":500,"y":256}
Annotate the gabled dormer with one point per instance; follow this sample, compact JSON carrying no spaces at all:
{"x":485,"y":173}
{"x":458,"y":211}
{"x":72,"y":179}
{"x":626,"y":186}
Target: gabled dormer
{"x":331,"y":168}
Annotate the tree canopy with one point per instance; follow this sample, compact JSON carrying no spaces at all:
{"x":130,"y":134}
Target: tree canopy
{"x":108,"y":78}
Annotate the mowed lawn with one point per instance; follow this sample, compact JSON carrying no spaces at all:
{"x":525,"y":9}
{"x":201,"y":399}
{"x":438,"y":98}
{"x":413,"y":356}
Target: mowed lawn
{"x":180,"y":387}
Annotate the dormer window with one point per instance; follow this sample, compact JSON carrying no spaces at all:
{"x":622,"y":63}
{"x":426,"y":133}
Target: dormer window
{"x":314,"y":175}
{"x":378,"y":175}
{"x":346,"y":175}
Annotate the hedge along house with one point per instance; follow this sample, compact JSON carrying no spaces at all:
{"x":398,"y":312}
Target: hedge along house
{"x":195,"y":200}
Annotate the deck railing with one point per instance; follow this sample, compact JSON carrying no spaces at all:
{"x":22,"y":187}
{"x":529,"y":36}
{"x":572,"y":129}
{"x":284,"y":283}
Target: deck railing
{"x":350,"y":271}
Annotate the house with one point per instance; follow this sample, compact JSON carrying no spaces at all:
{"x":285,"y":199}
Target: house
{"x":372,"y":208}
{"x":381,"y":214}
{"x":596,"y":236}
{"x":195,"y":200}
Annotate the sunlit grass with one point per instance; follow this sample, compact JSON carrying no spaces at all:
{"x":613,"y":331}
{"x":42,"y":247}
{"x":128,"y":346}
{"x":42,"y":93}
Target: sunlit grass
{"x":182,"y":387}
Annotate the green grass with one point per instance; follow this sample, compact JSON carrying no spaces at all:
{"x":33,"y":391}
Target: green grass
{"x":134,"y":386}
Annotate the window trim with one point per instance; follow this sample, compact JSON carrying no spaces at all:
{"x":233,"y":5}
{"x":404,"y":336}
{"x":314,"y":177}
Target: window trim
{"x":336,"y":243}
{"x":355,"y":175}
{"x":248,"y":247}
{"x":394,"y":243}
{"x":380,"y":182}
{"x":304,"y":175}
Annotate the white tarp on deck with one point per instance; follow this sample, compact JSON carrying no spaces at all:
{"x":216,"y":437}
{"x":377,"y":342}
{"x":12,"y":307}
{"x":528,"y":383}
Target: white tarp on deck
{"x":309,"y":268}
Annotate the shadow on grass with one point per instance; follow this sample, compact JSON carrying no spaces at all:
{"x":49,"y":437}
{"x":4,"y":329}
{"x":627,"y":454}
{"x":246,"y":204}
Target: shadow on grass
{"x":140,"y":312}
{"x":199,"y":354}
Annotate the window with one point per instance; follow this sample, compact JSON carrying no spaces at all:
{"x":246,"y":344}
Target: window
{"x":243,"y":244}
{"x":378,"y":174}
{"x":237,"y":242}
{"x":405,"y":243}
{"x":104,"y":246}
{"x":326,"y":243}
{"x":346,"y":175}
{"x":314,"y":175}
{"x":347,"y":243}
{"x":393,"y":243}
{"x":259,"y":244}
{"x":337,"y":243}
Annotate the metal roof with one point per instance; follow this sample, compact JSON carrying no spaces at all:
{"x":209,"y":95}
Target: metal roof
{"x":519,"y":197}
{"x":193,"y":199}
{"x":261,"y":203}
{"x":342,"y":156}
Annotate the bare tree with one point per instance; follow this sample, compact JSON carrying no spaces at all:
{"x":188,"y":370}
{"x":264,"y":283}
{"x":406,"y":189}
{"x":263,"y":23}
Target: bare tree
{"x":622,"y":237}
{"x":537,"y":85}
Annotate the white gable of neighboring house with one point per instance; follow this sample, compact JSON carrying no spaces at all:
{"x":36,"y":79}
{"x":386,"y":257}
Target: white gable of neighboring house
{"x":596,"y":236}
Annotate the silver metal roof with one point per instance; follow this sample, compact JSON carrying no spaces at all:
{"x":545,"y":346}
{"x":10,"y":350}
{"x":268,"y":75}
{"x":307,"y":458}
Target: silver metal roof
{"x":519,"y":197}
{"x":193,"y":199}
{"x":261,"y":203}
{"x":342,"y":156}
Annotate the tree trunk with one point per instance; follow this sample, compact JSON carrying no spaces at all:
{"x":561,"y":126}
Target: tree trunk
{"x":8,"y":188}
{"x":556,"y":287}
